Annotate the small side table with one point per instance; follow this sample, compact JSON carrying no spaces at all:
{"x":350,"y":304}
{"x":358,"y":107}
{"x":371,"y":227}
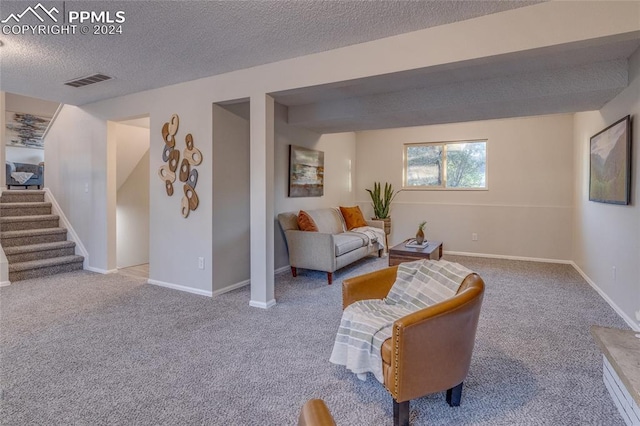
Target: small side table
{"x":400,"y":253}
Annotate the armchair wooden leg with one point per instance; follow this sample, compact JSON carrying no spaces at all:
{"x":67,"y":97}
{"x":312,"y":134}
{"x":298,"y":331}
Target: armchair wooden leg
{"x":380,"y":252}
{"x":294,"y":271}
{"x":454,"y":395}
{"x":400,"y":413}
{"x":330,"y":277}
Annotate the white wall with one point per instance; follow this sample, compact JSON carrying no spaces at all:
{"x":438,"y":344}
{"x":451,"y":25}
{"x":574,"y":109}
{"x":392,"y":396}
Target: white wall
{"x":4,"y":264}
{"x":526,"y":212}
{"x":76,"y":174}
{"x":18,"y":154}
{"x":79,"y":136}
{"x":132,"y":216}
{"x":26,"y":104}
{"x":132,"y":143}
{"x":231,"y":186}
{"x":3,"y":177}
{"x":18,"y":103}
{"x":607,"y":235}
{"x":339,"y":161}
{"x":231,"y":230}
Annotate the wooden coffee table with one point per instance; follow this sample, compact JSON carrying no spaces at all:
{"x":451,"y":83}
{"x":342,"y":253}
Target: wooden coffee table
{"x":400,"y":253}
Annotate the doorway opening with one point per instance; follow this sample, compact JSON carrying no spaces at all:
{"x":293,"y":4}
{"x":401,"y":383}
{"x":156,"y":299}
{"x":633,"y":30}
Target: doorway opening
{"x":132,"y":142}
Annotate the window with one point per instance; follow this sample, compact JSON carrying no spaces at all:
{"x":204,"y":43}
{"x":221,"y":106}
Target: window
{"x":446,"y":165}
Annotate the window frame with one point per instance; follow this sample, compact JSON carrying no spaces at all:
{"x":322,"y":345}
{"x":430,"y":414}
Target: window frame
{"x":443,"y":186}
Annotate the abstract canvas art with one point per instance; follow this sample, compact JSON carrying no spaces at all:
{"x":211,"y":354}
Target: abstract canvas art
{"x":610,"y":171}
{"x":25,"y":130}
{"x":306,"y":172}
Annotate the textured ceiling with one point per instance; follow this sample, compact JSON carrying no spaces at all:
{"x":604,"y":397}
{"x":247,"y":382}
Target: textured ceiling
{"x":574,"y":77}
{"x":167,"y":42}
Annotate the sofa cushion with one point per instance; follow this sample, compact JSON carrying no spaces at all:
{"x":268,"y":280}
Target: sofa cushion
{"x":353,"y":217}
{"x":306,"y":223}
{"x":327,"y":220}
{"x":347,"y":242}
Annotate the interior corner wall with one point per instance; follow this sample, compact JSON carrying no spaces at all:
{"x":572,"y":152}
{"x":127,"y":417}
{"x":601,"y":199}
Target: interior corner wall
{"x":176,"y":243}
{"x":608,"y":235}
{"x":526,"y":211}
{"x":339,"y":161}
{"x":132,"y":144}
{"x":18,"y":103}
{"x":3,"y":177}
{"x":76,"y":152}
{"x":231,"y":194}
{"x":24,"y":155}
{"x":132,"y":216}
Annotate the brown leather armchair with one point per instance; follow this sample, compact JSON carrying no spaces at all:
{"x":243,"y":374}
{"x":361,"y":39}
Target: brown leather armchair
{"x":315,"y":413}
{"x":430,"y":349}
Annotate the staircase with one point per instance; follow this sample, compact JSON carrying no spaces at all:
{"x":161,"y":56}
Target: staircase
{"x":32,"y":240}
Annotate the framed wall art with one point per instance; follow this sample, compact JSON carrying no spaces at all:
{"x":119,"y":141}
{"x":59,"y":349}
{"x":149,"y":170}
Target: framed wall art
{"x":610,"y":164}
{"x":306,"y":172}
{"x":25,"y":130}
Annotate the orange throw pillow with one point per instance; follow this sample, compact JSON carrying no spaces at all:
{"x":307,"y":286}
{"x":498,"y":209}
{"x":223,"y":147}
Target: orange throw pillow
{"x":353,"y":217}
{"x":306,"y":223}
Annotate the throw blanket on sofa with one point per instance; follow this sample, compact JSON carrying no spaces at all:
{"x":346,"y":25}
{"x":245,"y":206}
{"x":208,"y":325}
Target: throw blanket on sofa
{"x":373,"y":234}
{"x":21,"y":177}
{"x":366,"y":324}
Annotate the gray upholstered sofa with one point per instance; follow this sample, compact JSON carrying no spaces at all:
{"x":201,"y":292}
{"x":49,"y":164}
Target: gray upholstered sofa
{"x":329,"y":249}
{"x":38,"y":174}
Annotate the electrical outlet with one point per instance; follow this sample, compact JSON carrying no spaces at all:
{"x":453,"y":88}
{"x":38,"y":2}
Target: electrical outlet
{"x":474,"y":237}
{"x":201,"y":263}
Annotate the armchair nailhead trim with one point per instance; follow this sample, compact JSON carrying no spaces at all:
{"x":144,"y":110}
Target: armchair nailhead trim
{"x":395,"y":370}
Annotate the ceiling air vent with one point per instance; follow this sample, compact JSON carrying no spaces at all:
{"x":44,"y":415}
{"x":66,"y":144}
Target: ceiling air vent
{"x":85,"y":81}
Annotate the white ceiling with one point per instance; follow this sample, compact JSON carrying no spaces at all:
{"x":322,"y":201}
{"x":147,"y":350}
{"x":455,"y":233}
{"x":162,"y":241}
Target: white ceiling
{"x":580,"y":76}
{"x":167,"y":42}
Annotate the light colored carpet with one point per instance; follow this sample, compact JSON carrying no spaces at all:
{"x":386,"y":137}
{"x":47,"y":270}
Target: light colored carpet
{"x":81,"y":348}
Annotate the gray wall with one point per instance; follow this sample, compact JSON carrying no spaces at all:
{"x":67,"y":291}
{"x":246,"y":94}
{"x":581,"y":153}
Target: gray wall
{"x":231,"y":233}
{"x":132,"y":217}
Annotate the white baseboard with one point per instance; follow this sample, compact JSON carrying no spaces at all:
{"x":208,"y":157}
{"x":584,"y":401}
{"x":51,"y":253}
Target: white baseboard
{"x":501,"y":256}
{"x":100,"y":271}
{"x":5,"y":283}
{"x":611,"y":303}
{"x":602,"y":294}
{"x":231,"y":288}
{"x":262,"y":305}
{"x":180,"y":287}
{"x":281,"y":270}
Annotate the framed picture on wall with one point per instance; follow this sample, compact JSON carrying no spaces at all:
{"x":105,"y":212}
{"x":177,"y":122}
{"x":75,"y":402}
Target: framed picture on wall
{"x":306,"y":172}
{"x":610,"y":164}
{"x":25,"y":130}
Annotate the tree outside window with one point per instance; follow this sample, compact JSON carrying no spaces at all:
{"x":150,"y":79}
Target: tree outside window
{"x":446,"y":165}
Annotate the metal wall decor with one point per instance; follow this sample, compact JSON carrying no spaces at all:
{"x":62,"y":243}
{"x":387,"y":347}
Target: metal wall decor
{"x":185,"y":171}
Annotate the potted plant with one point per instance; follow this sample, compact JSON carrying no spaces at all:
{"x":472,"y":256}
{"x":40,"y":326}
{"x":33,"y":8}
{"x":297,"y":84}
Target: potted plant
{"x":382,"y":203}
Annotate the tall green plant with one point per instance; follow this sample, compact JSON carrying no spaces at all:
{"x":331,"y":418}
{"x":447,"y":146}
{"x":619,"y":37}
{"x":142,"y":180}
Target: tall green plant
{"x":382,"y":201}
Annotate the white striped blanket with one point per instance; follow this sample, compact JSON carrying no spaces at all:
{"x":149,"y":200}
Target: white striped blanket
{"x":373,"y":234}
{"x":21,"y":177}
{"x":366,"y":324}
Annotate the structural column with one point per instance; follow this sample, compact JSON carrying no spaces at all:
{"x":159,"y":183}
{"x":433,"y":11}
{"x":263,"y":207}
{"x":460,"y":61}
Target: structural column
{"x":262,"y":195}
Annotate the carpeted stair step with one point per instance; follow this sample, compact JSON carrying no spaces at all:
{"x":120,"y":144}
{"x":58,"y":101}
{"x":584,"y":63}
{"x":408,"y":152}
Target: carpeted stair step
{"x":39,"y":251}
{"x":24,"y":196}
{"x":24,"y":209}
{"x":32,"y":236}
{"x":17,"y":223}
{"x":39,"y":268}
